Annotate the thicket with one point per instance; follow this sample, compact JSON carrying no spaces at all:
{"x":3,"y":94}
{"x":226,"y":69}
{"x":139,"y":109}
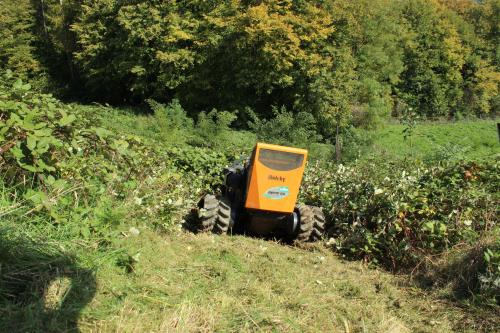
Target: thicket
{"x":438,"y":57}
{"x":59,"y":160}
{"x":398,"y":214}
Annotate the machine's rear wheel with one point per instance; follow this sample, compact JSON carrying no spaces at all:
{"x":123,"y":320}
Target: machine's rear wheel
{"x":306,"y":223}
{"x":214,"y":214}
{"x":223,"y":220}
{"x":311,"y":223}
{"x":319,"y":224}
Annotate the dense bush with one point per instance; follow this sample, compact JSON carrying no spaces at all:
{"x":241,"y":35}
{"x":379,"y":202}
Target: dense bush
{"x":285,"y":128}
{"x":32,"y":127}
{"x":43,"y":137}
{"x":172,"y":122}
{"x":59,"y":163}
{"x":395,"y":214}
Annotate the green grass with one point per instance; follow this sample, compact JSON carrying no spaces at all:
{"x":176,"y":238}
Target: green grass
{"x":182,"y":282}
{"x":466,"y":139}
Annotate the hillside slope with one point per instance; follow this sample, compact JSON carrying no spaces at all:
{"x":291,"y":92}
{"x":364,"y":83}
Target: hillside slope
{"x":205,"y":283}
{"x":183,"y":282}
{"x":473,"y":140}
{"x":92,"y":202}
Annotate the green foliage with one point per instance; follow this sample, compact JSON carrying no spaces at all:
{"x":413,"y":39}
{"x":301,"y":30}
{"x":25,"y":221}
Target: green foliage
{"x":431,"y":81}
{"x":73,"y":172}
{"x":375,"y":38}
{"x":489,"y":278}
{"x":156,"y":48}
{"x":42,"y":137}
{"x":409,"y":120}
{"x":171,"y":121}
{"x":485,"y":17}
{"x":17,"y":39}
{"x":213,"y":129}
{"x":395,"y":218}
{"x":32,"y":128}
{"x":285,"y":128}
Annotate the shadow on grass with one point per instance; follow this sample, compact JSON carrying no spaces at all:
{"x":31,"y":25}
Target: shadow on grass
{"x":190,"y":221}
{"x":191,"y":224}
{"x":42,"y":289}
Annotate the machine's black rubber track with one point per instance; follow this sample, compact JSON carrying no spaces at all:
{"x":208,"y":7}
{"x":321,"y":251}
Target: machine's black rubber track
{"x":319,"y":224}
{"x":208,"y":208}
{"x":223,"y":220}
{"x":306,"y":226}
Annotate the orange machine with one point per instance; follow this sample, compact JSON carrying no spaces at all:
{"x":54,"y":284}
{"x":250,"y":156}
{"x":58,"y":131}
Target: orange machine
{"x":260,"y":196}
{"x":275,"y":177}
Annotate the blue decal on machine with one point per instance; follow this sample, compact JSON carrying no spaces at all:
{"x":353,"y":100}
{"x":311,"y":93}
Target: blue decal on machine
{"x":277,"y":193}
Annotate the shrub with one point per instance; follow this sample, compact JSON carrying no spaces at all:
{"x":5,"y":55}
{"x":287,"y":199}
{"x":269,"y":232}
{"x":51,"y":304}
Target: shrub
{"x":394,"y":214}
{"x":356,"y":144}
{"x":33,"y":129}
{"x":285,"y":128}
{"x":42,"y":137}
{"x":172,"y":121}
{"x":213,"y":129}
{"x":489,"y":277}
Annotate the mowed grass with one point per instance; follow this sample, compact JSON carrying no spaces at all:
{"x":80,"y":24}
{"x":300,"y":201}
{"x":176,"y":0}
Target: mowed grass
{"x":473,"y":140}
{"x":182,"y":282}
{"x":205,"y":283}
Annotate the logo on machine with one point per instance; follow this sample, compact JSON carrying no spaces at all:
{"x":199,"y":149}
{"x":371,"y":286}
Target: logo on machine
{"x":278,"y":178}
{"x":277,"y":193}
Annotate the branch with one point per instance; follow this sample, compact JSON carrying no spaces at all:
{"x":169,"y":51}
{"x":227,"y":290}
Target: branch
{"x":6,"y":147}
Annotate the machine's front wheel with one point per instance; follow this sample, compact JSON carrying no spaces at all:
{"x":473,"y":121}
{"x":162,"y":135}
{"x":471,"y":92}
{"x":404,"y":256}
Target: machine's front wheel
{"x":208,"y":207}
{"x":311,"y":223}
{"x":214,"y":214}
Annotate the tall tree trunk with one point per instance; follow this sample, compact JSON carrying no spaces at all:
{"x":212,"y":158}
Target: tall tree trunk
{"x":42,"y":6}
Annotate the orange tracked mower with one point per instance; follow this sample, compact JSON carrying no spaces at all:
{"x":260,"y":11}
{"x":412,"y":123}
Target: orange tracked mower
{"x":260,"y":195}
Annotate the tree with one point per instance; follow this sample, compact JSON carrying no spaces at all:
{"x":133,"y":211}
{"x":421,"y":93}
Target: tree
{"x":209,"y":54}
{"x":475,"y":24}
{"x":434,"y":58}
{"x":379,"y":56}
{"x":17,"y":39}
{"x":331,"y":93}
{"x":485,"y":17}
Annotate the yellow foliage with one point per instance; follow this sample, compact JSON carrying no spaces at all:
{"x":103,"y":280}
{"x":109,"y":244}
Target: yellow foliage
{"x":487,"y":86}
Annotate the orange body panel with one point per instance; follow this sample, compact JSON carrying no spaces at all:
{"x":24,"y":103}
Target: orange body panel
{"x":275,"y":178}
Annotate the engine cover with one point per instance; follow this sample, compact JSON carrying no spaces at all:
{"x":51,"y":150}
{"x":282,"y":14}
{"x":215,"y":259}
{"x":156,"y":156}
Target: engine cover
{"x":275,"y":176}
